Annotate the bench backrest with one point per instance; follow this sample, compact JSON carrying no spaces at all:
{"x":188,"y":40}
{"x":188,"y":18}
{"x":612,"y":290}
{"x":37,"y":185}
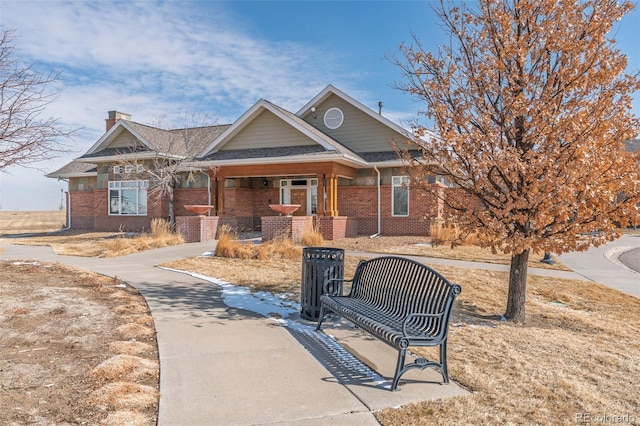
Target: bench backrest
{"x":398,"y":286}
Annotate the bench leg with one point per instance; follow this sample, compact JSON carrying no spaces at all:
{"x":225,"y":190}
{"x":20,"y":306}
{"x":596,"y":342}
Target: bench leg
{"x":320,"y":316}
{"x":443,"y":361}
{"x":420,"y":363}
{"x":402,"y":353}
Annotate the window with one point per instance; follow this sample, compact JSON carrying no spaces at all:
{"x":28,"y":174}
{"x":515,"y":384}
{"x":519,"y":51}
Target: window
{"x":116,"y":170}
{"x":128,"y":197}
{"x":400,"y":195}
{"x":128,"y":169}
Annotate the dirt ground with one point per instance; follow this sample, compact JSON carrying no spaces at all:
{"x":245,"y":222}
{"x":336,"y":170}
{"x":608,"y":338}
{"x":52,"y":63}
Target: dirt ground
{"x":77,"y":348}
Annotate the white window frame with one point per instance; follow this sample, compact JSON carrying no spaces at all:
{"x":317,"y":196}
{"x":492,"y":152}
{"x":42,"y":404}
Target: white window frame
{"x":121,"y":207}
{"x":116,"y":170}
{"x":399,"y":182}
{"x":312,"y":193}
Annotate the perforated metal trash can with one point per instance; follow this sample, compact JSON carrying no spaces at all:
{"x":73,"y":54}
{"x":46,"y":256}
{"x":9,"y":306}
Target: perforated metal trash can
{"x":319,"y":266}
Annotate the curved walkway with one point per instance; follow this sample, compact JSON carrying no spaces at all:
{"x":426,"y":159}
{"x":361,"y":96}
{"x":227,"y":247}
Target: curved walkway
{"x":610,"y":264}
{"x":229,"y":365}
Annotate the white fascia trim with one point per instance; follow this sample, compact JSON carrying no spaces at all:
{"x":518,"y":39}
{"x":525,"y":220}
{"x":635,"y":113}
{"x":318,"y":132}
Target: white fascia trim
{"x":122,"y":157}
{"x":71,"y":175}
{"x":107,"y":137}
{"x":281,"y":160}
{"x":246,"y":118}
{"x":397,"y":163}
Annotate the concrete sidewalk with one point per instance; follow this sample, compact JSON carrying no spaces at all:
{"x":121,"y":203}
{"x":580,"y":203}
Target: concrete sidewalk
{"x":223,"y":364}
{"x":226,"y":365}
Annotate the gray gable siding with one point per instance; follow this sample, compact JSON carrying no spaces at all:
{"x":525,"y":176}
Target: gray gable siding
{"x":267,"y":131}
{"x":358,"y":132}
{"x":124,"y":140}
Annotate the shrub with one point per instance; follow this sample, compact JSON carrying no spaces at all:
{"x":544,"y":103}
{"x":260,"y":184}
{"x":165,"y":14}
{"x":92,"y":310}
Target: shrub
{"x":448,"y":232}
{"x":312,"y":236}
{"x":278,"y":248}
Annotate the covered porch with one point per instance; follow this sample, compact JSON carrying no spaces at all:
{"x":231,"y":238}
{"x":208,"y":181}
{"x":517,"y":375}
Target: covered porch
{"x":241,"y":196}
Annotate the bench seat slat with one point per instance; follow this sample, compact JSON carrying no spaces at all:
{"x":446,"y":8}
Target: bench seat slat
{"x":378,"y":323}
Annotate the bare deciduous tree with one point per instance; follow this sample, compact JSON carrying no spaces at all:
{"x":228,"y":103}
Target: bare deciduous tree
{"x":173,"y":159}
{"x":532,"y":107}
{"x":25,"y":137}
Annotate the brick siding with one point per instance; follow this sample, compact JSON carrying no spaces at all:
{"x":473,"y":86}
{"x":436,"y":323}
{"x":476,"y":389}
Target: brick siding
{"x":246,"y":207}
{"x":197,"y":228}
{"x":286,"y":226}
{"x":182,"y":197}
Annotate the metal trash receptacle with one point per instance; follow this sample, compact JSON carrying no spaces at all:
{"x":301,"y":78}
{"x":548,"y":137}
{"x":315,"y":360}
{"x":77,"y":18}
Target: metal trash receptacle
{"x":319,"y":266}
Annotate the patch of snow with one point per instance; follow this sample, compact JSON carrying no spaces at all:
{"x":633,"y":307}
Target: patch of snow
{"x":262,"y":302}
{"x":280,"y":307}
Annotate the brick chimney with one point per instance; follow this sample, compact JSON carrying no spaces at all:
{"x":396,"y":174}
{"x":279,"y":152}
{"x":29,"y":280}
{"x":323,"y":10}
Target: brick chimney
{"x":115,"y":116}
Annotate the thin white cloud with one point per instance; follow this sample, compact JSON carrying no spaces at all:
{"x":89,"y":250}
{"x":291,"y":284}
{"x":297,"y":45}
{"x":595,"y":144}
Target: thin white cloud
{"x":166,"y":51}
{"x":149,"y":59}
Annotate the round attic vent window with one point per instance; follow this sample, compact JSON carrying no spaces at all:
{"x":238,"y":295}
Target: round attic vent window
{"x":333,"y":118}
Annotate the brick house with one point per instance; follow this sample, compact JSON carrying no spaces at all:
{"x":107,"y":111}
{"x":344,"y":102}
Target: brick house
{"x":334,"y":157}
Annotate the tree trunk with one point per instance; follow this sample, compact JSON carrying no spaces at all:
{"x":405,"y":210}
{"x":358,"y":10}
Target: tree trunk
{"x":517,"y":288}
{"x":172,"y":216}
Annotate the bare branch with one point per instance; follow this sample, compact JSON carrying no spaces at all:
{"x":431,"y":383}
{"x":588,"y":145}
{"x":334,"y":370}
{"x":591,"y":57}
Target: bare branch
{"x":25,"y":136}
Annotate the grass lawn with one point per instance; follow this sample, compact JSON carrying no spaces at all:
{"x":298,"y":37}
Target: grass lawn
{"x":575,"y":361}
{"x":577,"y":355}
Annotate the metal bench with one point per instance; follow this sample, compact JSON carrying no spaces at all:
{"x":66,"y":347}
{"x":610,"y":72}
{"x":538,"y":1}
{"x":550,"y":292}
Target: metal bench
{"x":399,"y":301}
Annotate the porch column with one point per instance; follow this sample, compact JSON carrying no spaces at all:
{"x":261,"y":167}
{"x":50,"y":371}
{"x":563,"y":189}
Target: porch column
{"x":332,"y":196}
{"x":321,"y":200}
{"x":219,"y":191}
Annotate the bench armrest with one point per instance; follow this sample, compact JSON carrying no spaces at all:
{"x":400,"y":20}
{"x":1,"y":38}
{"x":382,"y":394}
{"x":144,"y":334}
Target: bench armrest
{"x":410,"y":318}
{"x":337,"y":289}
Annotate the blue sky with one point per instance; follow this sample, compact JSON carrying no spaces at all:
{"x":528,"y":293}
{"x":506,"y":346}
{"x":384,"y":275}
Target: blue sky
{"x":174,"y":58}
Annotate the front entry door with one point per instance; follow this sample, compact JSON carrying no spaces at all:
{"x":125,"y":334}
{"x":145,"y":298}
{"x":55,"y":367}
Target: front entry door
{"x":299,"y":196}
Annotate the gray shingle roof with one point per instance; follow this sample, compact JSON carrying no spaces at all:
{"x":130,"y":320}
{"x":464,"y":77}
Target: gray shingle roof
{"x":187,"y":142}
{"x":257,"y":153}
{"x":110,"y":152}
{"x":73,"y":168}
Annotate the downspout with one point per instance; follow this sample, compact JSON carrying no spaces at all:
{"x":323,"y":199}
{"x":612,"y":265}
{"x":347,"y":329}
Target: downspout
{"x":68,"y":207}
{"x":377,"y":234}
{"x":68,"y":210}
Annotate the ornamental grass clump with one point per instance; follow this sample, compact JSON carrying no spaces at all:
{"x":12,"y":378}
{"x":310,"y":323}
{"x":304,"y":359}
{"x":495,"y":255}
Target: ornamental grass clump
{"x":312,"y":236}
{"x":280,"y":247}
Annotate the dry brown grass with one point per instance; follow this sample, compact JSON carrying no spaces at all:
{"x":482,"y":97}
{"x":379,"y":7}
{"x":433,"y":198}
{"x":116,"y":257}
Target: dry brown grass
{"x":125,"y":368}
{"x":579,"y":351}
{"x":126,"y":417}
{"x":312,"y":236}
{"x":421,"y":246}
{"x":135,"y":331}
{"x":102,"y":244}
{"x":278,"y":248}
{"x":130,"y":347}
{"x":449,"y":234}
{"x":124,"y":395}
{"x":27,"y":222}
{"x":571,"y":358}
